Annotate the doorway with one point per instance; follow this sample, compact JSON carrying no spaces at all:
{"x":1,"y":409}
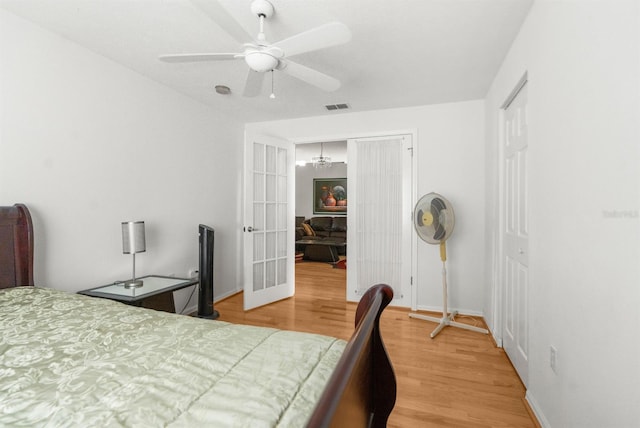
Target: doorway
{"x":381,"y":245}
{"x":307,"y":177}
{"x":269,"y":258}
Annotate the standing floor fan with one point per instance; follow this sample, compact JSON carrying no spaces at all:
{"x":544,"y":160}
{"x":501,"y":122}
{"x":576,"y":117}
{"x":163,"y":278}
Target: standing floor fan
{"x":434,"y":220}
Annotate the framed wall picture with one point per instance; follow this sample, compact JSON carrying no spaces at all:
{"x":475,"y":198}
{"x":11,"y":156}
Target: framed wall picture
{"x":330,"y":196}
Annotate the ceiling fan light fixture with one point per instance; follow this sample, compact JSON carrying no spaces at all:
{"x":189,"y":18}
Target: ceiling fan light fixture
{"x":260,"y":61}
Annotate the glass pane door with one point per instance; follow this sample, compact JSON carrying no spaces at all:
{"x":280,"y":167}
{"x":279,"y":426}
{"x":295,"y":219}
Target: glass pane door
{"x":269,"y":219}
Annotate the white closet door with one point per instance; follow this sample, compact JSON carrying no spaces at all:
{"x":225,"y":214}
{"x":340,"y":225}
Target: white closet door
{"x":516,"y":236}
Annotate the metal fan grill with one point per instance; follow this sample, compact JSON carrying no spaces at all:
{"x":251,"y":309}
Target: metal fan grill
{"x":434,"y":220}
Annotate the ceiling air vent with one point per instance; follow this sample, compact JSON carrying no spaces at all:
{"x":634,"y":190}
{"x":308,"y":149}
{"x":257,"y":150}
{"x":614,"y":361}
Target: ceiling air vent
{"x":331,"y":107}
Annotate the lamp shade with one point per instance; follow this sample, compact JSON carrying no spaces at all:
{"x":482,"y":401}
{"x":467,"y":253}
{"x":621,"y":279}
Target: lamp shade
{"x":133,"y":237}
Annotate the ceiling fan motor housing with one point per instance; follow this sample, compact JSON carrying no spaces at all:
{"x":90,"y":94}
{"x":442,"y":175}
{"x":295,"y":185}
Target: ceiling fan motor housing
{"x":262,"y":8}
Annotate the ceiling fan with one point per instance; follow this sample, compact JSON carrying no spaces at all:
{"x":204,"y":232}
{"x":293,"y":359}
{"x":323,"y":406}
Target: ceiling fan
{"x":262,"y":56}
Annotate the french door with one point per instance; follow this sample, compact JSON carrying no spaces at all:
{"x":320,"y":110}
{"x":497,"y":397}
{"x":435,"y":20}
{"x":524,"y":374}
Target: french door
{"x":268,"y":220}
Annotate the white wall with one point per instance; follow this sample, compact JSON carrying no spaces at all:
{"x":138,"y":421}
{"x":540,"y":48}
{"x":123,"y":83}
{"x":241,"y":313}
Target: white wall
{"x":87,"y":144}
{"x":304,"y":185}
{"x":450,"y":150}
{"x":582,"y":60}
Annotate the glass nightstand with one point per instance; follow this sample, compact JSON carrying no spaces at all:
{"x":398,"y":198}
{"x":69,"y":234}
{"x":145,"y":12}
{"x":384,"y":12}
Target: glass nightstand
{"x":156,"y":292}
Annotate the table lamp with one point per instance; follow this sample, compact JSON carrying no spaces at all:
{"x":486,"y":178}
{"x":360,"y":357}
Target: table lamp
{"x":133,"y":242}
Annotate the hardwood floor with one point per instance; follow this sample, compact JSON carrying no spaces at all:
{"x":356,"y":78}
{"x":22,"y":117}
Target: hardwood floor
{"x":458,"y":379}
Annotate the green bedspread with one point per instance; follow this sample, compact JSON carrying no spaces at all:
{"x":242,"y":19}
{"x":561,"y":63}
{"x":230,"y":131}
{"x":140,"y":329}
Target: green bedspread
{"x":72,"y":360}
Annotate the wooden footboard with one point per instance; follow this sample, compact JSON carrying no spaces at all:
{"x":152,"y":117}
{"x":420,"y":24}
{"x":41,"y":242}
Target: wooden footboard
{"x":362,"y":389}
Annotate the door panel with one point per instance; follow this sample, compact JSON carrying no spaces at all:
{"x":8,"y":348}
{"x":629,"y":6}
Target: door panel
{"x":268,"y":220}
{"x":516,"y":235}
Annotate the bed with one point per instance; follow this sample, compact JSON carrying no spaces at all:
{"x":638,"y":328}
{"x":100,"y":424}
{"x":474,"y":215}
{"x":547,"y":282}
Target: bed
{"x":73,"y":360}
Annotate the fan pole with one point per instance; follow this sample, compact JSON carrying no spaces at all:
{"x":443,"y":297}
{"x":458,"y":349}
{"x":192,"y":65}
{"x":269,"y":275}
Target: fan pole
{"x":447,"y":319}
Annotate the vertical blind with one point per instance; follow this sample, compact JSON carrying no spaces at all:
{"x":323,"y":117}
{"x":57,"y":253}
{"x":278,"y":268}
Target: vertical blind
{"x":379,"y":213}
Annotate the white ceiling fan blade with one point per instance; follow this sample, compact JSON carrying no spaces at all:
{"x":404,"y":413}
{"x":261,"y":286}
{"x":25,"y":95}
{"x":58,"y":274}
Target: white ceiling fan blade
{"x":199,"y":57}
{"x":220,"y":16}
{"x":324,"y":36}
{"x":253,"y":86}
{"x":309,"y":75}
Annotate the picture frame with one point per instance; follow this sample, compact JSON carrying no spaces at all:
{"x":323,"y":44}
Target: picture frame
{"x":330,"y":196}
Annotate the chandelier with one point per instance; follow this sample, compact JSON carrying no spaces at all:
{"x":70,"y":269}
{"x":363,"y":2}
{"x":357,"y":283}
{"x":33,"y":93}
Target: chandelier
{"x":321,"y":161}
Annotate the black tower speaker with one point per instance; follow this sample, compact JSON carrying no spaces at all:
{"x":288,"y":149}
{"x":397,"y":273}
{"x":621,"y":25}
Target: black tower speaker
{"x":205,"y":298}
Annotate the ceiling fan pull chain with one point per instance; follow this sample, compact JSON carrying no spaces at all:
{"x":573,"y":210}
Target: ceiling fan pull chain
{"x":273,"y":95}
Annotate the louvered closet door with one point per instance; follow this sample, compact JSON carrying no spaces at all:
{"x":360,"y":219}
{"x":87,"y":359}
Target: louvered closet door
{"x":516,"y":235}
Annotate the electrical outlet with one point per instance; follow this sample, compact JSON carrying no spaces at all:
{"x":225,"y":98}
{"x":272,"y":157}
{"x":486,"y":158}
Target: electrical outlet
{"x":553,"y":358}
{"x":193,"y":273}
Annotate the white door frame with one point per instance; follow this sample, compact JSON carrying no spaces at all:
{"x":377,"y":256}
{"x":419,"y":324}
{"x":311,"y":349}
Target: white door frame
{"x":414,"y":242}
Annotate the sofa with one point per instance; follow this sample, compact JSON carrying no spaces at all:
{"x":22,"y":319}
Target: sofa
{"x":322,"y":228}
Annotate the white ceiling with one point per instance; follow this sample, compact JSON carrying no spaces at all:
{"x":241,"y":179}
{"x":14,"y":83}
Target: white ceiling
{"x":402,"y":52}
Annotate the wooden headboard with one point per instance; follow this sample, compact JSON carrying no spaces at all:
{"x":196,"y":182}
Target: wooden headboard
{"x":16,"y":246}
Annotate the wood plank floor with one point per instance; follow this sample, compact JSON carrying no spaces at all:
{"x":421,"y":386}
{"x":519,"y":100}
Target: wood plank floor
{"x":458,"y":379}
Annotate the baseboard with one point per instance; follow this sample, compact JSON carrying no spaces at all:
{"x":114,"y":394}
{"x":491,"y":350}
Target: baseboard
{"x":498,"y":342}
{"x":193,"y":308}
{"x":536,"y":413}
{"x":225,"y":296}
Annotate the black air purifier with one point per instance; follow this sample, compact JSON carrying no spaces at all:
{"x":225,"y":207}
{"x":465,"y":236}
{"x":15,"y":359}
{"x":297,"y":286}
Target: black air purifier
{"x":205,"y":298}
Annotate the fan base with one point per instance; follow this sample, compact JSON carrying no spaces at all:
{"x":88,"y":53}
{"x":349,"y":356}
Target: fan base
{"x":447,"y":321}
